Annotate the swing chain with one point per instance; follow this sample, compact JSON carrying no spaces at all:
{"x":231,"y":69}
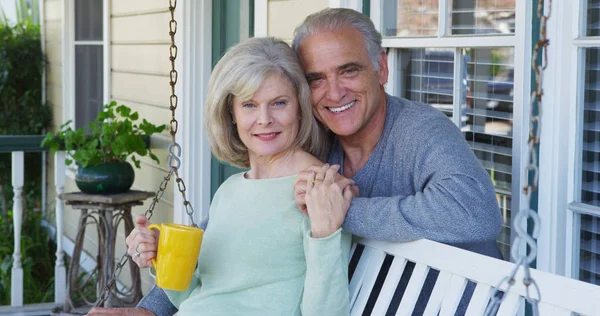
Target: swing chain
{"x":174,"y":161}
{"x":524,"y":240}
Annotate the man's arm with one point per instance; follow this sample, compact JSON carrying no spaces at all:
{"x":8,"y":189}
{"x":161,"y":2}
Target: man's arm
{"x":454,"y":200}
{"x":157,"y":302}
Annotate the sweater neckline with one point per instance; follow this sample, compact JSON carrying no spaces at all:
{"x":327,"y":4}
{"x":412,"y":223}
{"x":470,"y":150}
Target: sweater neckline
{"x":243,"y":177}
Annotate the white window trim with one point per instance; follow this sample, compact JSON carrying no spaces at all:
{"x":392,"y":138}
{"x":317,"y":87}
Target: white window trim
{"x":556,"y":151}
{"x":194,"y":66}
{"x":519,"y":41}
{"x":261,"y":18}
{"x":350,"y":4}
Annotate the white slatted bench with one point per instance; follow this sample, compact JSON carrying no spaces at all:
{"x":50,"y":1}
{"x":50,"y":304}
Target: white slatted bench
{"x":377,"y":268}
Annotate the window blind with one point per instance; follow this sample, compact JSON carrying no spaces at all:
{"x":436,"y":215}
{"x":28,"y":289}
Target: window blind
{"x":430,"y":78}
{"x":589,"y":253}
{"x":482,"y":17}
{"x":593,"y":18}
{"x":589,"y":237}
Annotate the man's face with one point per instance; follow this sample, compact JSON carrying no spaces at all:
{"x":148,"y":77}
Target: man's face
{"x":346,"y":90}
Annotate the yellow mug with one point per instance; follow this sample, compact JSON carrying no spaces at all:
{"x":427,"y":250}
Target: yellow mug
{"x":177,"y":255}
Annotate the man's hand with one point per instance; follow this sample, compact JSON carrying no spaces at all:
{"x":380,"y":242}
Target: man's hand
{"x":302,"y":181}
{"x":133,"y":311}
{"x":327,"y":201}
{"x":142,"y":243}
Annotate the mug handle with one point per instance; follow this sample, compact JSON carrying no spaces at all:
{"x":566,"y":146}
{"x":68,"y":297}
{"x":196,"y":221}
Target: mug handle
{"x":157,"y":226}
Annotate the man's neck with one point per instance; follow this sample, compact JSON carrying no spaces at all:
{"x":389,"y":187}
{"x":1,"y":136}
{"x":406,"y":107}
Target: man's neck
{"x":359,"y":146}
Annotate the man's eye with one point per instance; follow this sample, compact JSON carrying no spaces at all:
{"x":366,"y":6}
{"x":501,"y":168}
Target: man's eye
{"x":350,"y":71}
{"x":315,"y":81}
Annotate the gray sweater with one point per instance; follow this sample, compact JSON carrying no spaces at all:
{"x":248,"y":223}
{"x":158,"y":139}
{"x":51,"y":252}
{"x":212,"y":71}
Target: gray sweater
{"x":421,"y":181}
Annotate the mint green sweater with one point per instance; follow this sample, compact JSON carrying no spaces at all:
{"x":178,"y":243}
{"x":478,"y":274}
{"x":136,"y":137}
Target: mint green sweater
{"x":257,"y":257}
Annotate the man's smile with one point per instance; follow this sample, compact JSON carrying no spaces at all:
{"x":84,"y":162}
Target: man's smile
{"x":341,"y":108}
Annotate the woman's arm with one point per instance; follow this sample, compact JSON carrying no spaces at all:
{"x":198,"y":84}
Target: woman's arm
{"x":326,"y":247}
{"x":326,"y":282}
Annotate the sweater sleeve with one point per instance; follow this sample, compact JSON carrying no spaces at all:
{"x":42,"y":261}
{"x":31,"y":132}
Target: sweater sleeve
{"x":157,"y":302}
{"x":454,"y":200}
{"x":177,"y":297}
{"x":326,"y":282}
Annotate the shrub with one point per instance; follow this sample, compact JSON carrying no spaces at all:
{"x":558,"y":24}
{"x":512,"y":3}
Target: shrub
{"x":37,"y":251}
{"x":21,"y":109}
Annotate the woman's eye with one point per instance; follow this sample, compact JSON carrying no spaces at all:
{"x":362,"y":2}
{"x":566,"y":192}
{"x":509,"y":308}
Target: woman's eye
{"x":280,"y":103}
{"x":248,"y":105}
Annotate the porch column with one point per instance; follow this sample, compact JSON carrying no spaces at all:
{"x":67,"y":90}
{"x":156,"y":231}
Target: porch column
{"x":60,"y":275}
{"x":18,"y":171}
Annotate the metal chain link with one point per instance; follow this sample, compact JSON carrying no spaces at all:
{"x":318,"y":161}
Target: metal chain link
{"x":174,"y":161}
{"x":524,"y":241}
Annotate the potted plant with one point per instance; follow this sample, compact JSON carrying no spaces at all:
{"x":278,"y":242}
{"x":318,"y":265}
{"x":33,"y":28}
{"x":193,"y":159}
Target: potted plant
{"x":102,"y":150}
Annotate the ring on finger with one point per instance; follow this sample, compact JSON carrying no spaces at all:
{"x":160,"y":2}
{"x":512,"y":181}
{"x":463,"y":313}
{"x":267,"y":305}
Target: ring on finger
{"x":137,"y":253}
{"x":317,"y":180}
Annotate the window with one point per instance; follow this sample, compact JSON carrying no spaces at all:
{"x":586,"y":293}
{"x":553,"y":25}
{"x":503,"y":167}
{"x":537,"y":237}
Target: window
{"x":589,"y":231}
{"x":89,"y":65}
{"x":482,"y":16}
{"x":470,"y":80}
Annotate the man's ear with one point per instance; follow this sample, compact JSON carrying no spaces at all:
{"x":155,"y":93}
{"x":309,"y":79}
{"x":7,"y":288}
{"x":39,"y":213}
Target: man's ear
{"x":383,"y":71}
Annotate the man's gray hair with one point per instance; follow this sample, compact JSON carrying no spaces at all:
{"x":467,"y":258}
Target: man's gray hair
{"x":333,"y":19}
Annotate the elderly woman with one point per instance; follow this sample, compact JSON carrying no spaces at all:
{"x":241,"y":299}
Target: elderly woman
{"x":259,"y":255}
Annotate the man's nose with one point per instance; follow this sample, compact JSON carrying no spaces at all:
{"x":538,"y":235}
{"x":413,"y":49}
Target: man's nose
{"x":265,"y":117}
{"x":335,"y":91}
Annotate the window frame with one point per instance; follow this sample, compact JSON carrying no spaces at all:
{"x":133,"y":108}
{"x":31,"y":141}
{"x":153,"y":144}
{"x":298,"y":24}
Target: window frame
{"x":68,"y":63}
{"x":573,"y":44}
{"x":68,"y":52}
{"x":519,"y":41}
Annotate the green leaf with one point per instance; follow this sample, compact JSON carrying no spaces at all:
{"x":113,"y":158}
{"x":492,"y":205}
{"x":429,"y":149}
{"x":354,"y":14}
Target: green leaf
{"x":153,"y":156}
{"x":135,"y":162}
{"x":6,"y":264}
{"x":123,"y":110}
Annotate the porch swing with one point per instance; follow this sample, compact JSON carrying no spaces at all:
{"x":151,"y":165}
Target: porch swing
{"x":387,"y":278}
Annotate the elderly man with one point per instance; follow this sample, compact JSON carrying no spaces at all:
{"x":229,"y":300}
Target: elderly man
{"x":416,"y":174}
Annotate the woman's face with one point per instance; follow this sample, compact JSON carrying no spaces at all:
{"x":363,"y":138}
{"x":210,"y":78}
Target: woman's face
{"x":268,"y":123}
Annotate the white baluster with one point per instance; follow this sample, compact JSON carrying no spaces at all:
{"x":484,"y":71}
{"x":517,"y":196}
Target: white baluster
{"x":18,"y":170}
{"x":60,"y":274}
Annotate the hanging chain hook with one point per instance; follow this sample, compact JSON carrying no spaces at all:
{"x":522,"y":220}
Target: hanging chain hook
{"x":174,"y":160}
{"x":525,"y":242}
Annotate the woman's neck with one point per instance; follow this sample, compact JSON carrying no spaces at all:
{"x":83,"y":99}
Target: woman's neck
{"x":282,"y":165}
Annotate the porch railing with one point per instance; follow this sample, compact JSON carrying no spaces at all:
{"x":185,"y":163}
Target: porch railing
{"x":17,"y":146}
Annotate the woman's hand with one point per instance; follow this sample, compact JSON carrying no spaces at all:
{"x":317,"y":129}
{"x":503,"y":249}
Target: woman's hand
{"x":327,"y":201}
{"x":308,"y":175}
{"x":142,"y":243}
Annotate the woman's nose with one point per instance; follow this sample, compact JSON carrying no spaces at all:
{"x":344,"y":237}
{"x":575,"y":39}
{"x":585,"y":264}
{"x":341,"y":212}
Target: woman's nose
{"x":265,"y":118}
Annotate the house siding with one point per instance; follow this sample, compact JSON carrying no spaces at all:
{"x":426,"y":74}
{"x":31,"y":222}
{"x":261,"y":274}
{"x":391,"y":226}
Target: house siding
{"x":139,"y":56}
{"x":285,"y":15}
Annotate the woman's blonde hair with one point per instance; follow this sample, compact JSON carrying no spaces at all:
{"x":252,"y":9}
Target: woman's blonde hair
{"x":239,"y":73}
